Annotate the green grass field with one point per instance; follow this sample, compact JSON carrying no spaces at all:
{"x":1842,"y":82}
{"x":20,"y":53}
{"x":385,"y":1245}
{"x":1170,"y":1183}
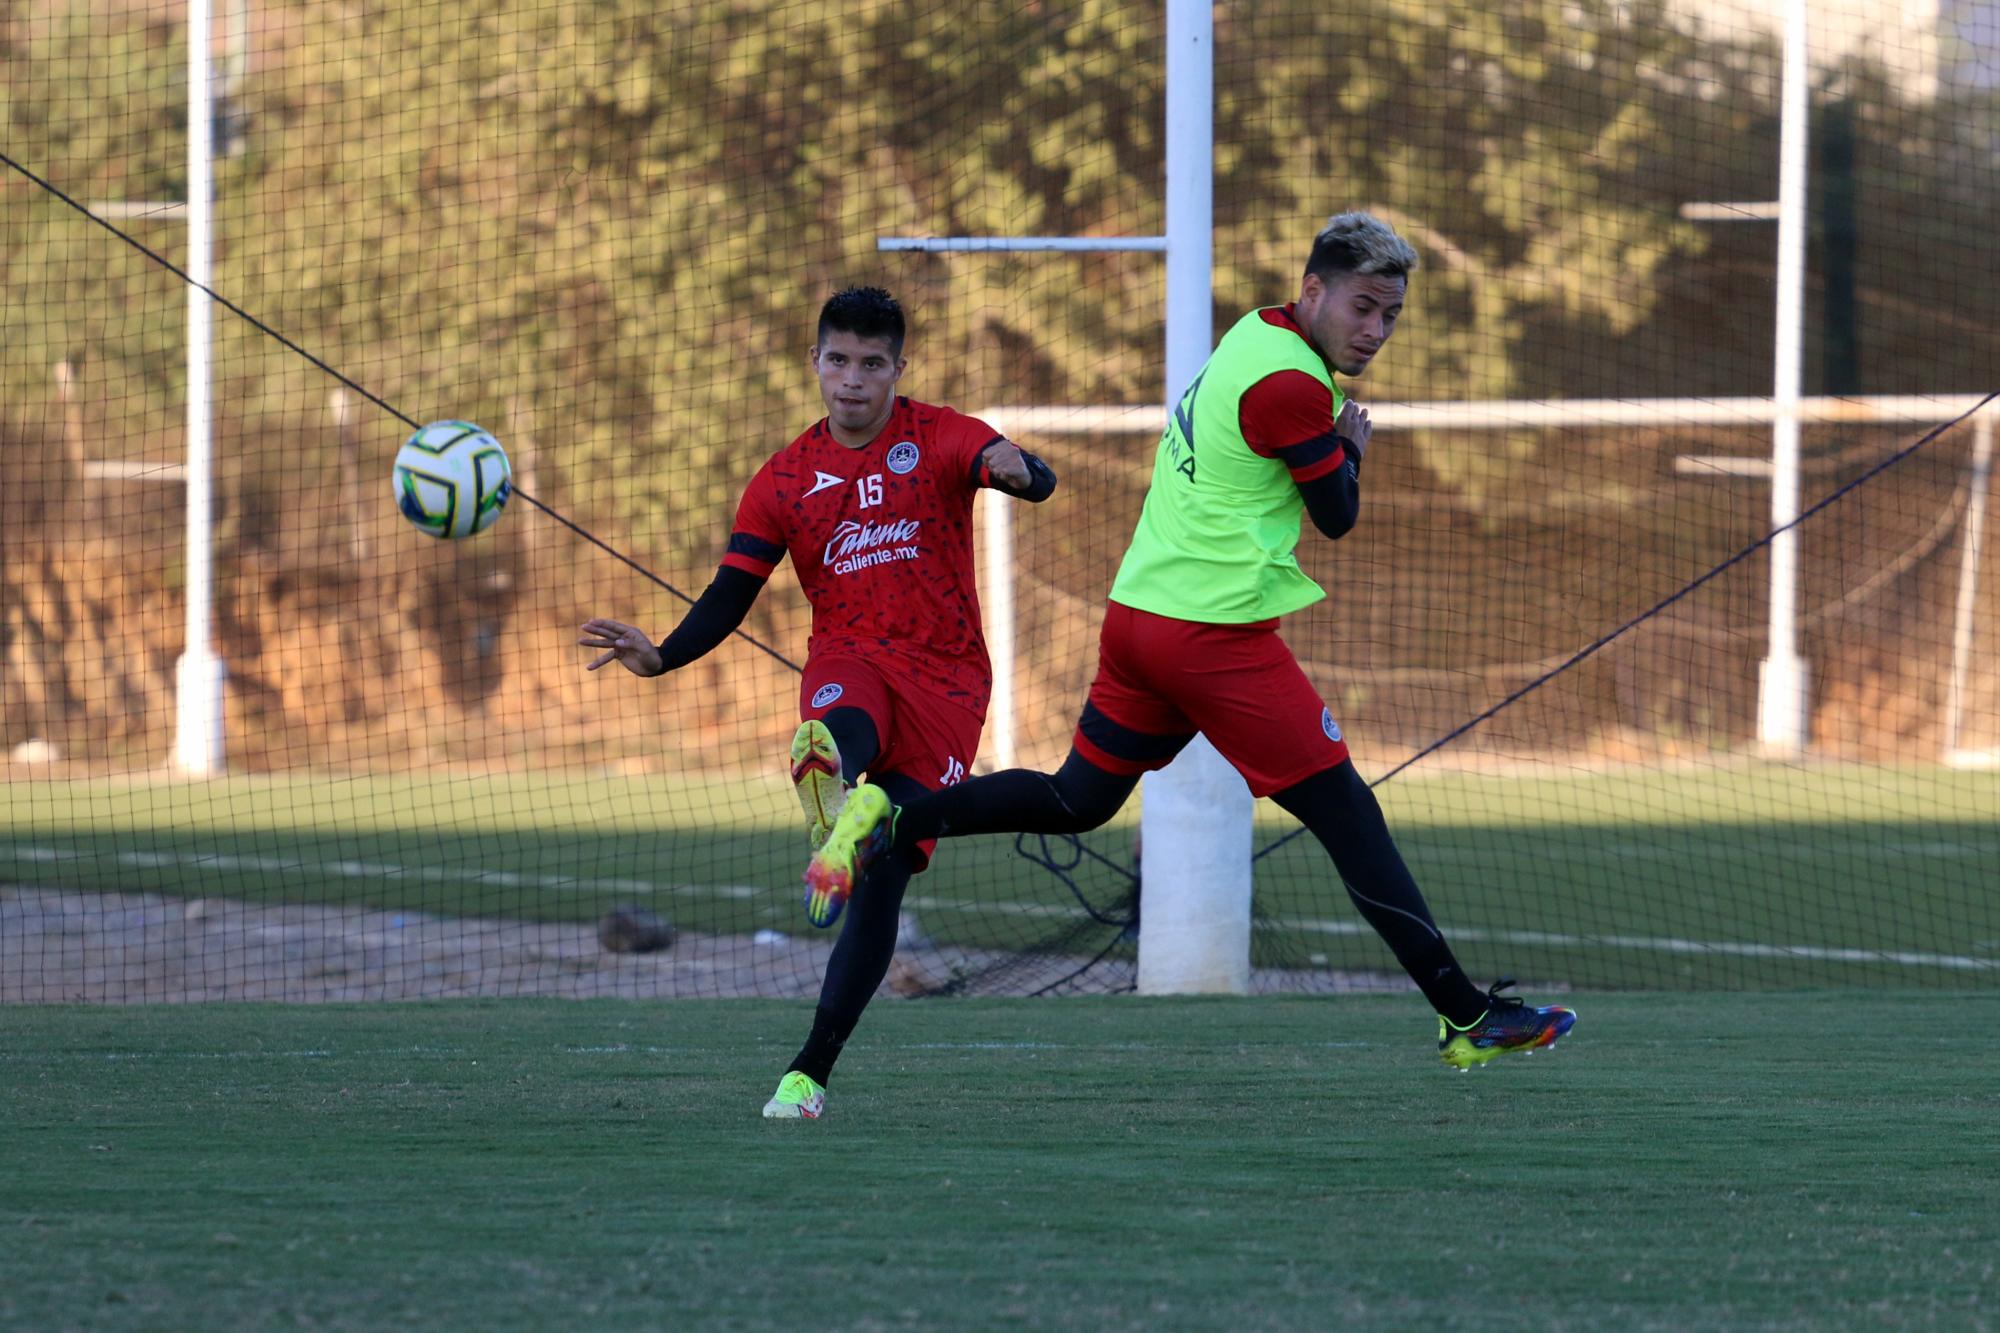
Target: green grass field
{"x":1753,"y":876}
{"x":1800,"y":1161}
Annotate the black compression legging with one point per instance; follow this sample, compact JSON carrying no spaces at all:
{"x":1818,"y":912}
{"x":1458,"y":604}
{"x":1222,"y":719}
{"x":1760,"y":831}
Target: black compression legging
{"x":1342,"y":813}
{"x":1080,"y":797}
{"x":860,"y":957}
{"x":1334,"y":804}
{"x":1075,"y":799}
{"x":867,"y":943}
{"x":854,"y":736}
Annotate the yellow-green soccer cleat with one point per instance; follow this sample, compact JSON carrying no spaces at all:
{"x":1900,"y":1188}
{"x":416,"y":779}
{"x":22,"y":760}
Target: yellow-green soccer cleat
{"x":859,"y":835}
{"x":1507,"y":1025}
{"x":797,"y":1098}
{"x":816,"y":775}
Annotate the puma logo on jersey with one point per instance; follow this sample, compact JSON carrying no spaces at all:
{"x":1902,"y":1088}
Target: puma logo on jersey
{"x":822,"y":480}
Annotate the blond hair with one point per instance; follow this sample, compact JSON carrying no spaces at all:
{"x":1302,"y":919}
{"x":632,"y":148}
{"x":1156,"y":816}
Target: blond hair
{"x":1360,"y":243}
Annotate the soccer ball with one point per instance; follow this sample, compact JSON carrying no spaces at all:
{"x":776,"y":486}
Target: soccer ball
{"x":452,"y":479}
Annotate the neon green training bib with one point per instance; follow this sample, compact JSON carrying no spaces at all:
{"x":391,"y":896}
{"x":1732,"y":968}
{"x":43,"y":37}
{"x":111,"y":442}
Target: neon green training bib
{"x":1216,"y":539}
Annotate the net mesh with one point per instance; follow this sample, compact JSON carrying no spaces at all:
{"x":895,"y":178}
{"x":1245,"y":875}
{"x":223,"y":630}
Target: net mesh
{"x":603,"y":233}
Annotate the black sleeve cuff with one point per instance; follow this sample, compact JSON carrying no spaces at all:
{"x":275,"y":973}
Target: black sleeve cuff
{"x":1041,"y":481}
{"x":713,"y":617}
{"x":1334,"y":500}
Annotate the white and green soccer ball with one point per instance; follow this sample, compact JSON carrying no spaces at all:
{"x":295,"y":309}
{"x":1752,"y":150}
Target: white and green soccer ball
{"x":452,"y":479}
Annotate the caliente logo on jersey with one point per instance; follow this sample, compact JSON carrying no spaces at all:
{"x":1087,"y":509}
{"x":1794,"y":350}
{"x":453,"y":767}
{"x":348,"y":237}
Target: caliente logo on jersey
{"x":863,"y":545}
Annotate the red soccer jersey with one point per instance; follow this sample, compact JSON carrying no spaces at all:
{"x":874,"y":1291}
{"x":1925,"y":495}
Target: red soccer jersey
{"x":881,"y":540}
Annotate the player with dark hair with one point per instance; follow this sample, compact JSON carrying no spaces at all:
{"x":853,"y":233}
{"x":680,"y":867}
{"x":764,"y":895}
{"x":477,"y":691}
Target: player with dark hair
{"x":1190,"y":640}
{"x":874,"y":505}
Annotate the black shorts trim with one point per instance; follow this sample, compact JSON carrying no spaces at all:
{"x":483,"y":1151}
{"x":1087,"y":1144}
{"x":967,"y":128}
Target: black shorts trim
{"x":1121,"y":742}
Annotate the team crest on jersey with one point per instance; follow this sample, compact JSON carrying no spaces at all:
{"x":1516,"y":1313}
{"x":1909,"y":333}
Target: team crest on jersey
{"x":1328,"y":725}
{"x":826,"y":694}
{"x":903,"y":458}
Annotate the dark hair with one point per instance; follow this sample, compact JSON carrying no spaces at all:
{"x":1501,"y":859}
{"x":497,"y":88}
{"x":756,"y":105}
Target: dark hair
{"x":1358,"y":243}
{"x":865,"y":312}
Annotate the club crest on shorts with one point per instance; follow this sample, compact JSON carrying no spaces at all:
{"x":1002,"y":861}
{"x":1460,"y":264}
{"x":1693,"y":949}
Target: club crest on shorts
{"x":1328,"y":725}
{"x":826,"y":694}
{"x":903,"y":458}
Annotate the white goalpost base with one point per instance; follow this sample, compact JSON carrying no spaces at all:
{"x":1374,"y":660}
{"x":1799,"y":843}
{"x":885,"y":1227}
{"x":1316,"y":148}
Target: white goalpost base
{"x":1194,"y":869}
{"x":198,"y":727}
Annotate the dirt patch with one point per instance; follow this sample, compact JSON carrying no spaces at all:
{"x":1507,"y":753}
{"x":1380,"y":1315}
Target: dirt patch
{"x":65,"y":947}
{"x":59,"y":947}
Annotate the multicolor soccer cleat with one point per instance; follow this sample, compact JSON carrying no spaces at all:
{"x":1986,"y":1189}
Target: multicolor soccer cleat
{"x":797,"y":1098}
{"x":859,"y":835}
{"x":816,"y":775}
{"x":1507,"y":1025}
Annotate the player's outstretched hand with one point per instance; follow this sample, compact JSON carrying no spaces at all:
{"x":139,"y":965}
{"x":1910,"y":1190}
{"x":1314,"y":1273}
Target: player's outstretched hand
{"x":625,"y":645}
{"x":1006,"y":465}
{"x":1352,"y":426}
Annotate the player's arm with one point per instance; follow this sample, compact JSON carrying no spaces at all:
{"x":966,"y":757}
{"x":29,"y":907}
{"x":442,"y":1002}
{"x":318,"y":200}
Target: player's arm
{"x":1289,"y":416}
{"x":713,"y":618}
{"x":1334,"y":498}
{"x":1006,"y":466}
{"x":755,"y":547}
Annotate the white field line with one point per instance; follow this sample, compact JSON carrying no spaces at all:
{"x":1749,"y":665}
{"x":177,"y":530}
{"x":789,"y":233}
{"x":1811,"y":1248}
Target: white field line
{"x":481,"y":878}
{"x":1613,"y":849}
{"x":1668,"y":944}
{"x":315,"y":1053}
{"x":926,"y":903}
{"x":281,"y":865}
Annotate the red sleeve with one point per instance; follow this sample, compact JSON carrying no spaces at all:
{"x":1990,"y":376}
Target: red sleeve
{"x":964,"y":439}
{"x":757,"y":539}
{"x":1288,"y":415}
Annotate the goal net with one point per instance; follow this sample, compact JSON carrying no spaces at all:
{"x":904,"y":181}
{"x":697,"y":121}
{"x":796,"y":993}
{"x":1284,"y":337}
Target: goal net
{"x":603,"y":232}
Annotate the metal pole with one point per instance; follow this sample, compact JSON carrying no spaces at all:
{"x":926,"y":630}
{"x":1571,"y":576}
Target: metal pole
{"x":999,"y":607}
{"x":198,"y":748}
{"x":1783,"y":706}
{"x":1968,"y":580}
{"x":1195,"y":826}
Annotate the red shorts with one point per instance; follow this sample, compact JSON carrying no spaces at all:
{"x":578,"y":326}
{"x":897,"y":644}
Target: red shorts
{"x":926,"y":741}
{"x":1161,"y":680}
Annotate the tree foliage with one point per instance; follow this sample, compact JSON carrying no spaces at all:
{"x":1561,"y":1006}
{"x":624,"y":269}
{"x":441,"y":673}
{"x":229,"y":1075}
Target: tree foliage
{"x":605,"y":228}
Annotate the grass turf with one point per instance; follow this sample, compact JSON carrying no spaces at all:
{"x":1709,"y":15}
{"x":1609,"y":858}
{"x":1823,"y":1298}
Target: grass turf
{"x":1794,"y":1161}
{"x":1622,"y":869}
